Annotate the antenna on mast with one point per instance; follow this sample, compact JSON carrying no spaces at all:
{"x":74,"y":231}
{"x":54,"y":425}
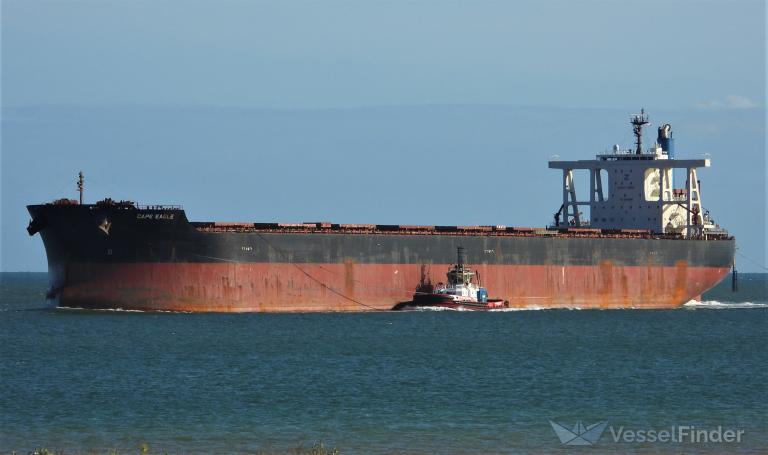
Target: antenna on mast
{"x":638,"y":122}
{"x":80,"y":185}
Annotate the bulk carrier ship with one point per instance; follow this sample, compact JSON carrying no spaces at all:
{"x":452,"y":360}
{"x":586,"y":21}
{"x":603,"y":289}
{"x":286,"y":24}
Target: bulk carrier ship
{"x":643,"y":244}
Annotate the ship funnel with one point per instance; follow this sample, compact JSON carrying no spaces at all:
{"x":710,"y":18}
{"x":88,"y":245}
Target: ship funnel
{"x":461,"y":257}
{"x":665,"y":140}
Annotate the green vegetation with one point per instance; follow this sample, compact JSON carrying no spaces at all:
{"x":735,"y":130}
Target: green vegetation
{"x":317,"y":448}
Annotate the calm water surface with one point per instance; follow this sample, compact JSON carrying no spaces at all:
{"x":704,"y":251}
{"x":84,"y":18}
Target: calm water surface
{"x":418,"y":382}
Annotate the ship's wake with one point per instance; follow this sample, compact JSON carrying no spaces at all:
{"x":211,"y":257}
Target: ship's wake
{"x":715,"y":305}
{"x":116,"y":310}
{"x":692,"y":305}
{"x":493,"y":310}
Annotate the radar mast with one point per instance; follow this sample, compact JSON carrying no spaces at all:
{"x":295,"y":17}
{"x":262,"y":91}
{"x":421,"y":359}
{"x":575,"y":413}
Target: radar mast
{"x":638,"y":122}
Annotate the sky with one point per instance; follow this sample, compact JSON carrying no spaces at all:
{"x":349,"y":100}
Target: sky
{"x":355,"y":111}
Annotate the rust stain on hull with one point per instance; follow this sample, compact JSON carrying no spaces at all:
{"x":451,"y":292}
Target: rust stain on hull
{"x":350,"y":286}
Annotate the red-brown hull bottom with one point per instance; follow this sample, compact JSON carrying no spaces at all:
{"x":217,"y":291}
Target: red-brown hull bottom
{"x":285,"y":287}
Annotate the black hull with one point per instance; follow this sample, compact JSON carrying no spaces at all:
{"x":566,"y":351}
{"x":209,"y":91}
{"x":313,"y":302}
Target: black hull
{"x":108,"y":256}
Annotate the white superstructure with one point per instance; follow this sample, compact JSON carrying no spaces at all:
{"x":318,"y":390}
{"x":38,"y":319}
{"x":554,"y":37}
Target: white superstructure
{"x":633,"y":189}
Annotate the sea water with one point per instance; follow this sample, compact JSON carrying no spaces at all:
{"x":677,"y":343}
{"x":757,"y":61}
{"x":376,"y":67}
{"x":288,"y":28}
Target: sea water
{"x":411,"y":382}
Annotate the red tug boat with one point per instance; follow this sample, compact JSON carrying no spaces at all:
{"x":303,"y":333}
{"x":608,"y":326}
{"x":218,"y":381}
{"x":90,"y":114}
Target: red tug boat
{"x":460,"y":293}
